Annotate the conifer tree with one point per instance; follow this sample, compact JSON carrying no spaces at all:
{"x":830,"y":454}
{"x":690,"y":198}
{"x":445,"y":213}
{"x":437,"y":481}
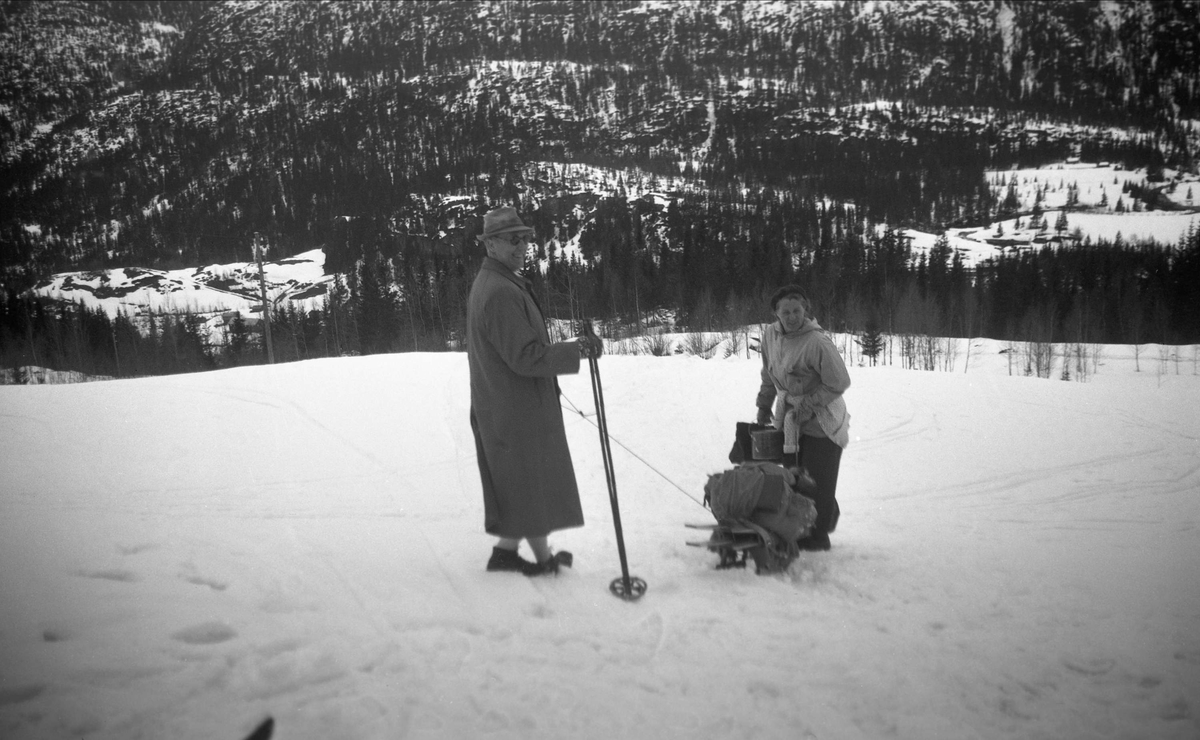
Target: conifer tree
{"x":871,"y":341}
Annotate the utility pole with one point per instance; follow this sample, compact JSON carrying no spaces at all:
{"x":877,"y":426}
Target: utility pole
{"x":116,"y":354}
{"x":260,"y":247}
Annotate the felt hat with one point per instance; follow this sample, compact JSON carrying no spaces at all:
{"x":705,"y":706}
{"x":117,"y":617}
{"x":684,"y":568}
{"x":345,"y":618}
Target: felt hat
{"x":502,"y":220}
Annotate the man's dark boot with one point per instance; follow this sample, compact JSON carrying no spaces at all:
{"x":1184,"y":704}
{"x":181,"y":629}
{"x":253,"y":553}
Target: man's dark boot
{"x":507,"y":560}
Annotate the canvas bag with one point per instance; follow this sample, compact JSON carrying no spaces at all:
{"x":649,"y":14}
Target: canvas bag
{"x":763,"y":493}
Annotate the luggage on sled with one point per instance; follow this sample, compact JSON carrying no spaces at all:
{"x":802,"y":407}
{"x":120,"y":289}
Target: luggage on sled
{"x":759,"y":505}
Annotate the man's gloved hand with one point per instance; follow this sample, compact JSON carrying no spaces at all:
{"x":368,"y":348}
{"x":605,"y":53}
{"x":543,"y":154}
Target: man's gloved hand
{"x":764,"y":416}
{"x":590,"y":346}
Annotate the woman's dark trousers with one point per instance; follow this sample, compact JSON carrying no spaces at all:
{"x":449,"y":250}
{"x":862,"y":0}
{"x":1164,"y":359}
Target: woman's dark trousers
{"x":822,"y":457}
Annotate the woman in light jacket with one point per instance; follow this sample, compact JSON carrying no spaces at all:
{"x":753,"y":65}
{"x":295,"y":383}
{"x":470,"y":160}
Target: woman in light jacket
{"x":803,"y":378}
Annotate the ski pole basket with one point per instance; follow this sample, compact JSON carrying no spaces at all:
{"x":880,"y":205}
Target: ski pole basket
{"x":629,"y":588}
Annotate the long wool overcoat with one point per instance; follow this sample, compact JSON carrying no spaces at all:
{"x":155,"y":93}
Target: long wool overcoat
{"x":529,"y":487}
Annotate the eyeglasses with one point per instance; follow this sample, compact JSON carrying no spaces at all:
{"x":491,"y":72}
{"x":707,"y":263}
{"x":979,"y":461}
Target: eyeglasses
{"x":519,"y":237}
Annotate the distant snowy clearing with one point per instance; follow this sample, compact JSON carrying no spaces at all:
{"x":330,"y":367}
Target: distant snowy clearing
{"x":976,"y":244}
{"x":1098,"y":188}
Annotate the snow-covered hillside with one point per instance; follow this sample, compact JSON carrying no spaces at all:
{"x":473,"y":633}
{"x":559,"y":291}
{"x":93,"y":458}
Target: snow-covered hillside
{"x":184,"y":556}
{"x":203,"y":290}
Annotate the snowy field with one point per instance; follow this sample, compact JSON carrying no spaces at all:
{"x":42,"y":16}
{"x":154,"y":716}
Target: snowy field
{"x":1164,"y":227}
{"x":1097,"y":187}
{"x":185,"y":556}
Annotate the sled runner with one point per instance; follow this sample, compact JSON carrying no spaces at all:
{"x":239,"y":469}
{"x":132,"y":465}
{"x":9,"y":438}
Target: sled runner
{"x":760,"y":513}
{"x":734,"y":541}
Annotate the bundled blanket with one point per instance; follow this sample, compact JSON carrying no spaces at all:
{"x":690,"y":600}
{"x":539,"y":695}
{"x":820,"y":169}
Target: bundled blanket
{"x":765,"y":494}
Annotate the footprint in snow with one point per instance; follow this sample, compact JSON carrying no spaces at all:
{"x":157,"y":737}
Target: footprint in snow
{"x":112,"y":574}
{"x":1089,"y":666}
{"x":539,"y":611}
{"x":189,"y":573}
{"x":205,"y":633}
{"x":55,"y":634}
{"x":19,"y":694}
{"x":212,"y":583}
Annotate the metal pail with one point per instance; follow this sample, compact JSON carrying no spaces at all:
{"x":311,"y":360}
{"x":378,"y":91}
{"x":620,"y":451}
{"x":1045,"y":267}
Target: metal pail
{"x":766,"y":444}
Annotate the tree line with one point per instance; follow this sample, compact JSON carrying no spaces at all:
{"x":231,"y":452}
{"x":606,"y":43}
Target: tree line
{"x":38,"y":333}
{"x":637,"y":262}
{"x":718,"y":271}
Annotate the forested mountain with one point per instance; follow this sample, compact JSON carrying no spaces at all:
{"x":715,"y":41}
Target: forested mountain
{"x":769,"y":140}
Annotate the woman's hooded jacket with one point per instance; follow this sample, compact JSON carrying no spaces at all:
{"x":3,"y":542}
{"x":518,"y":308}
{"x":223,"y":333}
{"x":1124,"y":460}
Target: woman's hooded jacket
{"x":804,"y":377}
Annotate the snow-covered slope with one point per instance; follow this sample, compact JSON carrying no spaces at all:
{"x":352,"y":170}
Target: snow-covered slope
{"x":202,"y":290}
{"x":183,"y":556}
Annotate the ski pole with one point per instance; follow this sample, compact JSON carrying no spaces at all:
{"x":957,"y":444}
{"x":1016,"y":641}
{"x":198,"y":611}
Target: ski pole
{"x":629,"y":588}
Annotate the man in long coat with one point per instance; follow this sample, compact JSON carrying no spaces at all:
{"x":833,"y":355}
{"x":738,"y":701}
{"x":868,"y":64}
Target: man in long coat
{"x":529,"y":487}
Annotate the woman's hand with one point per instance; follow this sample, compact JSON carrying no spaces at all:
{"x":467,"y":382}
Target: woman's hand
{"x":803,"y":404}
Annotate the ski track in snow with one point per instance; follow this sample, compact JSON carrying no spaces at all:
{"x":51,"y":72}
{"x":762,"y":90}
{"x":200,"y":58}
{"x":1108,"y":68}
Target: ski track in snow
{"x":304,"y":541}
